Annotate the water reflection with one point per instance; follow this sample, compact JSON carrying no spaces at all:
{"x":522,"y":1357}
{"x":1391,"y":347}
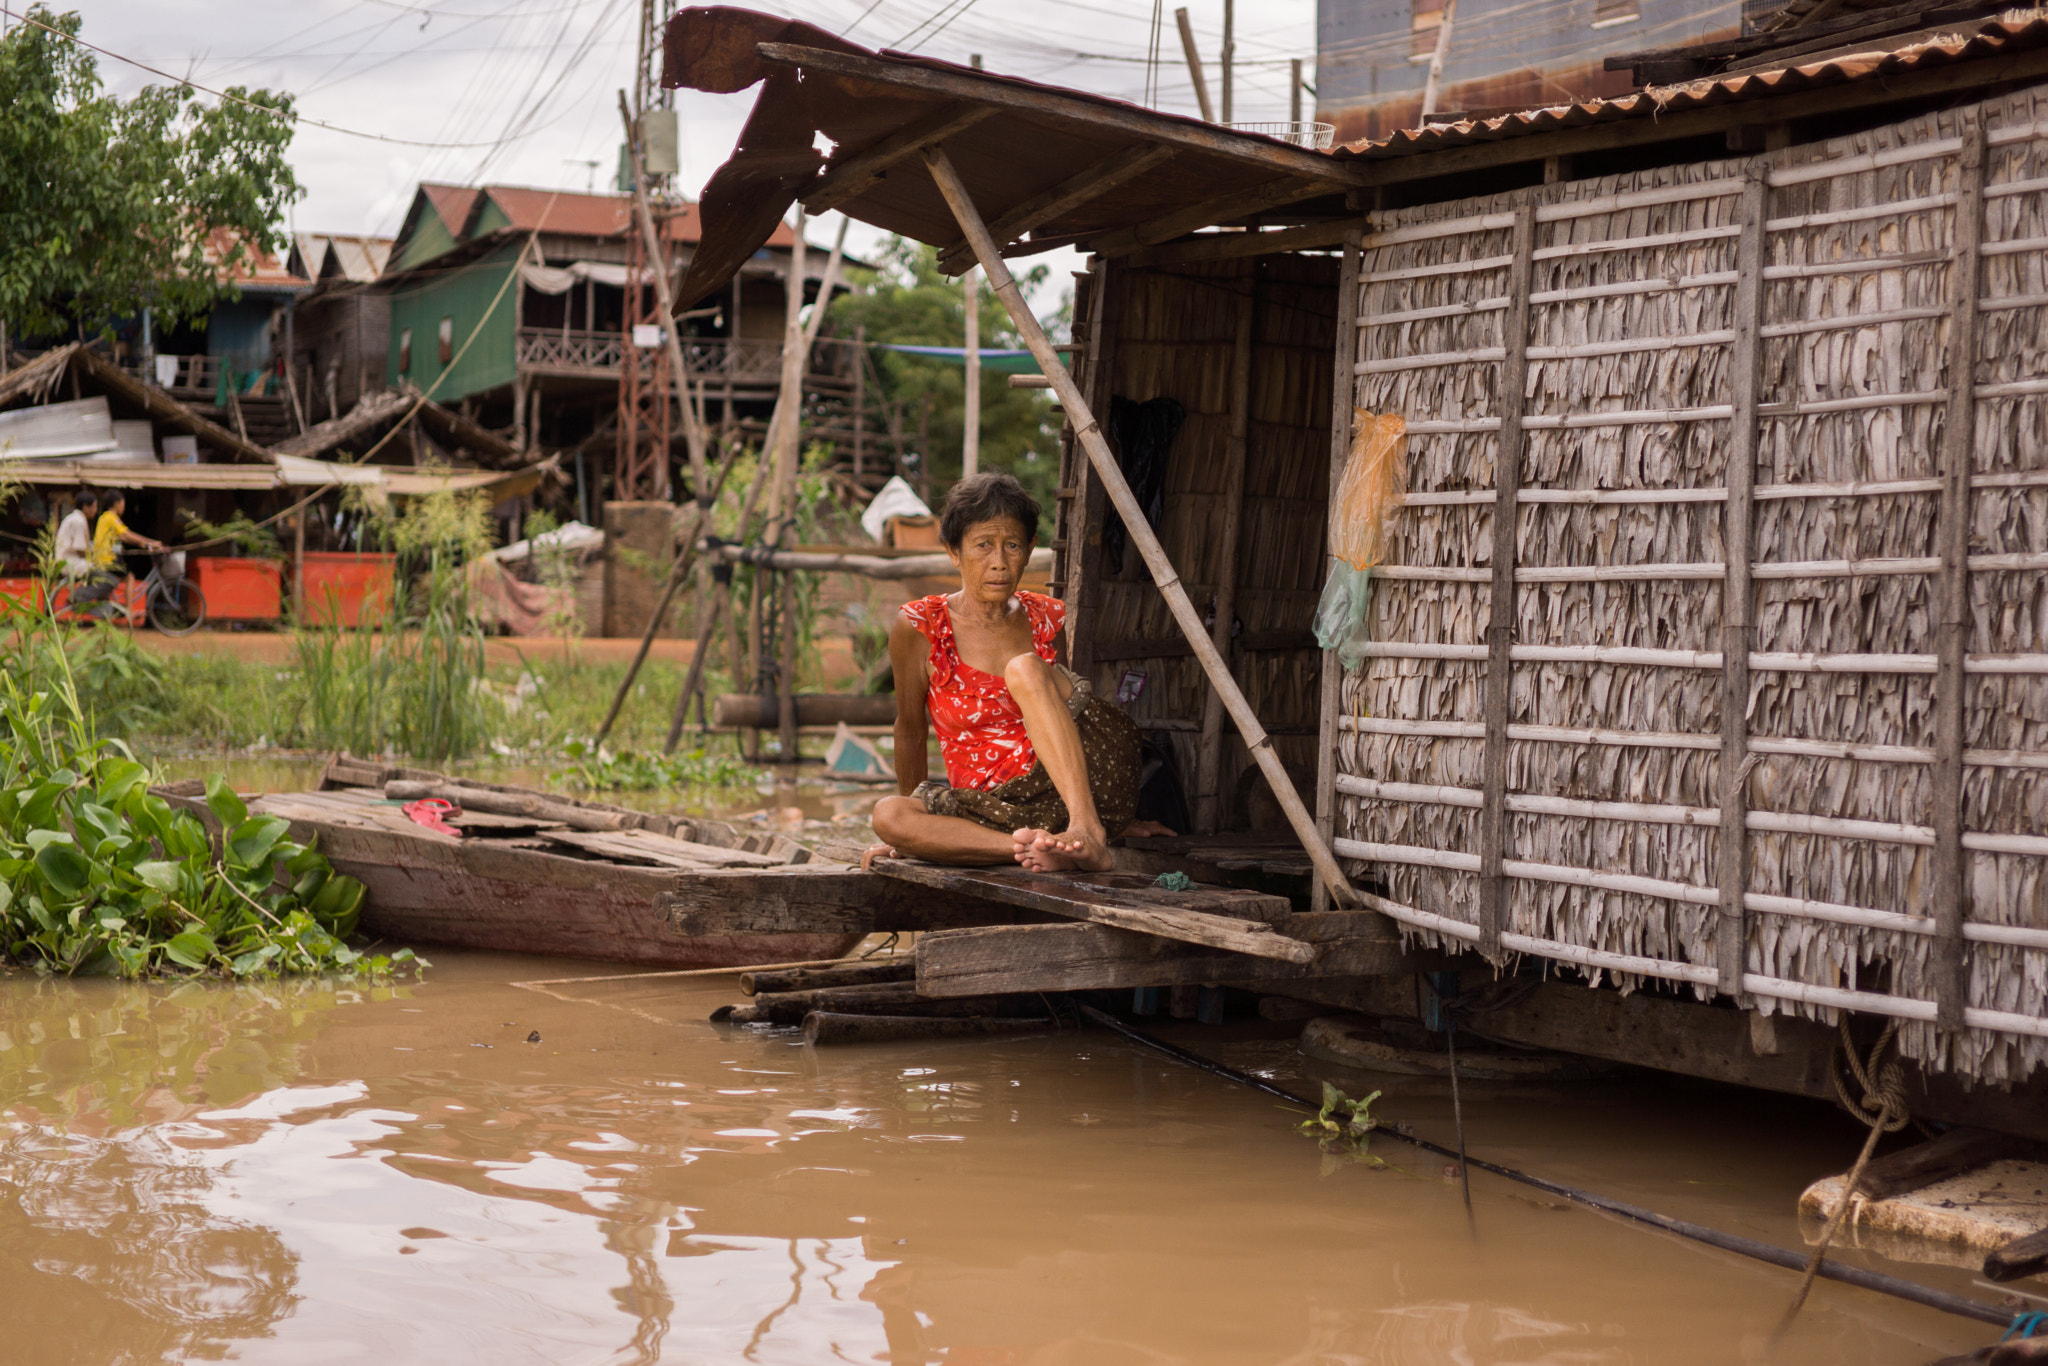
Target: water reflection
{"x":306,"y":1175}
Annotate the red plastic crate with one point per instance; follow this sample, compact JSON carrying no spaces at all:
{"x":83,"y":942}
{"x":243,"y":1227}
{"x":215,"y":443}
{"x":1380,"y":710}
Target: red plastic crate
{"x":239,"y":590}
{"x":344,"y":586}
{"x":28,"y":590}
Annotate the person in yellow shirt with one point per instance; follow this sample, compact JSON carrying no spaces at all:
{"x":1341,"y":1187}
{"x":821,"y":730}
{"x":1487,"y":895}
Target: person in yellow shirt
{"x":107,"y":538}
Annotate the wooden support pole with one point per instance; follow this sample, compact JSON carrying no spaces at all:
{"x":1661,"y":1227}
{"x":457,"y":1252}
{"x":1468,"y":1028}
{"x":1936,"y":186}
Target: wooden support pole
{"x":1187,"y":48}
{"x":860,"y":400}
{"x":1085,"y":509}
{"x":1951,"y":881}
{"x":1494,"y":888}
{"x":1745,"y":365}
{"x":1256,"y":741}
{"x":1209,"y":757}
{"x":785,"y":673}
{"x":1343,"y":404}
{"x":970,"y":383}
{"x":299,"y":568}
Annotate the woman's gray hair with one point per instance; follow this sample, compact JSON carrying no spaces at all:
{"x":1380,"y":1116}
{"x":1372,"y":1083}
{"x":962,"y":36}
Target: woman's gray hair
{"x":985,"y":498}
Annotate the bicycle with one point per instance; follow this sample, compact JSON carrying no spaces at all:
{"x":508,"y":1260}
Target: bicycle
{"x":166,"y":599}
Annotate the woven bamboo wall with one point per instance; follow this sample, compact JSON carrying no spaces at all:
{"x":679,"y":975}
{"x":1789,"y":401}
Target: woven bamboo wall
{"x":1173,"y":334}
{"x":1632,"y":345}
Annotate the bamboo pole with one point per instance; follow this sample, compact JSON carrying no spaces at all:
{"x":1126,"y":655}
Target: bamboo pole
{"x":1434,"y":82}
{"x":1509,"y":385}
{"x":1711,"y":659}
{"x":1343,"y":400}
{"x":1187,"y":47}
{"x":970,"y":421}
{"x":1209,"y":753}
{"x":1737,"y":630}
{"x":1104,"y":460}
{"x":1950,"y":968}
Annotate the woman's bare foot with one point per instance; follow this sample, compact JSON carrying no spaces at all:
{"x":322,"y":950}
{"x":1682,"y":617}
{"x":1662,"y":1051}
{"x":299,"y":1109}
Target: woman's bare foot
{"x":1044,"y":852}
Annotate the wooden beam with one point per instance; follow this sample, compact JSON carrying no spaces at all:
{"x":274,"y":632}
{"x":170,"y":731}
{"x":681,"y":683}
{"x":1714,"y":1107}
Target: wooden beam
{"x":817,"y":898}
{"x":1737,"y":632}
{"x":2021,"y":1257}
{"x":1950,"y":965}
{"x":1209,"y":750}
{"x":1082,"y":515}
{"x":1227,"y":246}
{"x":1220,"y":918}
{"x":1089,"y":431}
{"x":1959,"y":1150}
{"x":1054,"y":200}
{"x":1343,"y":406}
{"x":842,"y":180}
{"x":1494,"y":886}
{"x":1104,"y":115}
{"x":1647,"y":129}
{"x":1084,"y":957}
{"x":1224,"y":209}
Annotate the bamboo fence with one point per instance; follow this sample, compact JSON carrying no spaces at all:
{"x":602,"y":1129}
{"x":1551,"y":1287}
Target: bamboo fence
{"x":1720,"y":399}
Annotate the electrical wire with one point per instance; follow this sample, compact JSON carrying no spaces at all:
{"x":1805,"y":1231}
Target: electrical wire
{"x":272,"y":110}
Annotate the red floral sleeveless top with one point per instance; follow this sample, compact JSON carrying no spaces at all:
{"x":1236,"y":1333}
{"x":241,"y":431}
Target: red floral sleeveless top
{"x":981,"y":728}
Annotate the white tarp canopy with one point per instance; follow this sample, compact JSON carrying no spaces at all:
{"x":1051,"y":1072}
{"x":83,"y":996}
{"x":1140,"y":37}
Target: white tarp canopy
{"x":562,"y":279}
{"x":571,"y":536}
{"x":300,"y":472}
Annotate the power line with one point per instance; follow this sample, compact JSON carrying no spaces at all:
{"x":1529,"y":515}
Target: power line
{"x":270,"y":109}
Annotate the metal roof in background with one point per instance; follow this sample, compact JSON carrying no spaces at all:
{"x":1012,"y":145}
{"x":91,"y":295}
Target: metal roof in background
{"x":1994,"y":39}
{"x":1014,"y":142}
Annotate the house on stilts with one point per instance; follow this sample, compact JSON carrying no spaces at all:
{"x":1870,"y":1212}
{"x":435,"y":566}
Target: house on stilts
{"x":1699,"y":716}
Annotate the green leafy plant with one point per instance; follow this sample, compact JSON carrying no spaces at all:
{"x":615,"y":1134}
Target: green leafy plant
{"x":253,"y":539}
{"x":597,"y":770}
{"x":100,"y":875}
{"x":1342,"y":1127}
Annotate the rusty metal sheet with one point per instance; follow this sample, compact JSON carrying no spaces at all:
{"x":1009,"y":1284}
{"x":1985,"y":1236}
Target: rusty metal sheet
{"x":817,"y":83}
{"x":1994,"y":39}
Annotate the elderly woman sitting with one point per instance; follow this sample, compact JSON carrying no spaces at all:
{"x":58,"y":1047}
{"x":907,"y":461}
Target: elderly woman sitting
{"x":1039,"y":770}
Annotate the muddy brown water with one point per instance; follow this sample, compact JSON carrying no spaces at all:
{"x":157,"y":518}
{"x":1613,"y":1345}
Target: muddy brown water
{"x":305,"y":1173}
{"x":313,"y":1173}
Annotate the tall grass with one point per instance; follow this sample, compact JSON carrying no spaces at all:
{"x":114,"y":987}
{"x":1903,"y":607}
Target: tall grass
{"x":410,"y":679}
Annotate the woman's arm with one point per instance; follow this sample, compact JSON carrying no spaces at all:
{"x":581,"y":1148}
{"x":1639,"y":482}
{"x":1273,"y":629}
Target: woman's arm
{"x":907,"y":650}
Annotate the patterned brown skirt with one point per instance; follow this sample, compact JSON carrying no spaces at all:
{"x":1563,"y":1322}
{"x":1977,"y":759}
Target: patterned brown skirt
{"x":1109,"y":744}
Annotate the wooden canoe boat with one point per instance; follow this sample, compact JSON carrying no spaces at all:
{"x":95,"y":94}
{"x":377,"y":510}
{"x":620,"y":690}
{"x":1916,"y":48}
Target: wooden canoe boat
{"x":539,"y":873}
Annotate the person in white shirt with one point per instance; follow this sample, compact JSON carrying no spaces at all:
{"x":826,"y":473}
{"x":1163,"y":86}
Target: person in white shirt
{"x":74,"y":537}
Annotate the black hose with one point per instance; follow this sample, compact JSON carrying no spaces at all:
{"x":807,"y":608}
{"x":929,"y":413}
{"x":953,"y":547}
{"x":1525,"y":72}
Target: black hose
{"x":1699,"y":1233}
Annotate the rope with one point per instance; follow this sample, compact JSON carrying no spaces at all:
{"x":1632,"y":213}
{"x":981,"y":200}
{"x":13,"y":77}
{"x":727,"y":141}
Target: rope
{"x":1883,"y":1108}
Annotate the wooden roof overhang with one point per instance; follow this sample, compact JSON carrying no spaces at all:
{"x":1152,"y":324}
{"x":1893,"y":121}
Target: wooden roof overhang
{"x":1046,"y":166}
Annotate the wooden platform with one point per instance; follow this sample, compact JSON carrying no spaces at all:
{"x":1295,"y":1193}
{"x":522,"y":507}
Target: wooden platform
{"x":1955,"y":1221}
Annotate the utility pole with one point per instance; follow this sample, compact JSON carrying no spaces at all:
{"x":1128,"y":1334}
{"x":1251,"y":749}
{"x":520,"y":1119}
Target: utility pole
{"x":1187,"y":47}
{"x":1436,"y":61}
{"x":1294,"y":91}
{"x":1229,"y":51}
{"x":970,"y":441}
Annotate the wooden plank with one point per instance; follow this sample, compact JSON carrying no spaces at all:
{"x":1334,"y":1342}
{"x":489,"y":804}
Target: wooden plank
{"x":1054,"y":200}
{"x":1039,"y":100}
{"x":819,"y":898}
{"x":1082,"y":515}
{"x":1092,"y":957}
{"x":1343,"y":405}
{"x":1220,"y":918}
{"x":841,"y":181}
{"x":2026,"y":1256}
{"x":1737,"y":633}
{"x":638,"y":846}
{"x":1209,"y":749}
{"x":1959,"y":1150}
{"x":825,"y":1028}
{"x":857,"y":972}
{"x":1949,"y":965}
{"x":1223,"y":209}
{"x":1494,"y":887}
{"x":1226,"y":246}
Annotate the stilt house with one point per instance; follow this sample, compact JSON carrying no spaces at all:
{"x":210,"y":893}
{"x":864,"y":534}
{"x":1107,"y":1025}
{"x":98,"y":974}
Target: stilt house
{"x":1704,"y":675}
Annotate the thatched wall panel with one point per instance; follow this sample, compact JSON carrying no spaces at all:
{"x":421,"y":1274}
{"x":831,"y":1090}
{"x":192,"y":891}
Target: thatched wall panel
{"x":1876,"y":363}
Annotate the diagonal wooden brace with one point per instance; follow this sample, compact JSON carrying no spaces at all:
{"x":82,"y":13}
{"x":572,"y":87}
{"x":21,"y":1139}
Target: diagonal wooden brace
{"x":1256,"y":741}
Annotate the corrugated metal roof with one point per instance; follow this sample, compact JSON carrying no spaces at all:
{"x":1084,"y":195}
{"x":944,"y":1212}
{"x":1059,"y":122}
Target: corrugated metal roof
{"x":1991,"y":40}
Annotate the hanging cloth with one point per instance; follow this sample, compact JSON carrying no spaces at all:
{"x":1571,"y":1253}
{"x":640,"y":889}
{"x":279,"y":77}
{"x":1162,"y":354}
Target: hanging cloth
{"x":1375,"y":475}
{"x":1143,"y":435}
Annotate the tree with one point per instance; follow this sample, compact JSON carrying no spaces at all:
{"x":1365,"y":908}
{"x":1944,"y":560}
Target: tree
{"x":909,"y":302}
{"x":108,"y":206}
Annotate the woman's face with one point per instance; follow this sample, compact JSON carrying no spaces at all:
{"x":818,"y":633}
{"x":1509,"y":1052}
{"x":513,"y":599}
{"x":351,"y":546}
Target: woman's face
{"x":991,"y":557}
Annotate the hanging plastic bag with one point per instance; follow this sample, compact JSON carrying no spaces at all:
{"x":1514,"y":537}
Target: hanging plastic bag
{"x":1375,"y":475}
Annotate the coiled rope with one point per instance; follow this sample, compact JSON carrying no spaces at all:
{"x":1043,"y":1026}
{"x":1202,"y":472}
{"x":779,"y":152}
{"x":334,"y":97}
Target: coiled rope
{"x":1883,"y":1108}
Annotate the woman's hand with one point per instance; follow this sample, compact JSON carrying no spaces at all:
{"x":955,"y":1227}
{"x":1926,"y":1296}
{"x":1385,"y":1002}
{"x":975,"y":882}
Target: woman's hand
{"x":873,"y":852}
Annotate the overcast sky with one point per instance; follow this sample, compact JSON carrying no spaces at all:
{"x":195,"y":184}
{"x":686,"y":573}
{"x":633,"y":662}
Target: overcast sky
{"x":536,"y":80}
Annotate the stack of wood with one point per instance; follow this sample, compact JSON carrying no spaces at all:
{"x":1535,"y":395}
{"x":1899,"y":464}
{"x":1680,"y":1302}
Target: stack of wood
{"x":874,"y":1002}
